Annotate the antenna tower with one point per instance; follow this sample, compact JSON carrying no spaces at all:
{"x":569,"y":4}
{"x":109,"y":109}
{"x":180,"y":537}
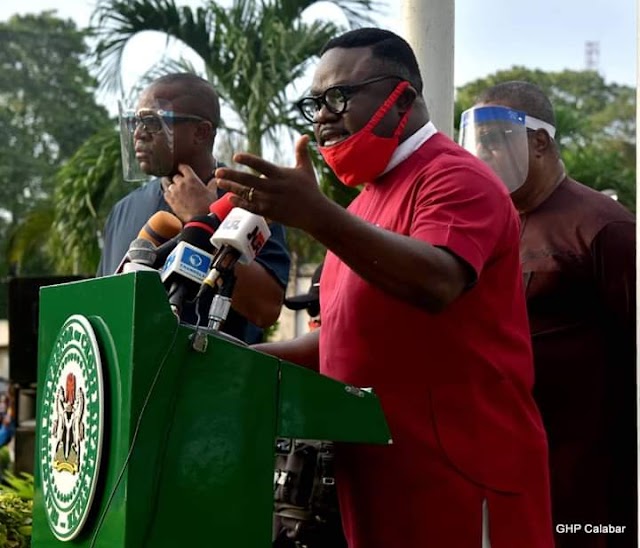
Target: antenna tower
{"x":592,"y":55}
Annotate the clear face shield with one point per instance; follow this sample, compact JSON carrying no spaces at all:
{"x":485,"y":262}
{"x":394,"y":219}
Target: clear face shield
{"x":498,"y":136}
{"x":147,"y":140}
{"x":131,"y":170}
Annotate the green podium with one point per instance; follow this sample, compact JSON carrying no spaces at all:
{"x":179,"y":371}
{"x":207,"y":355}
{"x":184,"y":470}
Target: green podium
{"x":143,"y":441}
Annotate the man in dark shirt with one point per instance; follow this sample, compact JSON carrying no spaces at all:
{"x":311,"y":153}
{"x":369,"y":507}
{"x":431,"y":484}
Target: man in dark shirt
{"x":309,"y":301}
{"x":577,"y":250}
{"x":182,"y":161}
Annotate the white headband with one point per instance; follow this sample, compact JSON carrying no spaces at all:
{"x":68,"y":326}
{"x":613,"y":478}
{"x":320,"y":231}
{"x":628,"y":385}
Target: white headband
{"x":534,"y":123}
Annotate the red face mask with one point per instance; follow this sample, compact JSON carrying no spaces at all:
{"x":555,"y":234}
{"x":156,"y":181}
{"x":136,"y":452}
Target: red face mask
{"x":363,"y":156}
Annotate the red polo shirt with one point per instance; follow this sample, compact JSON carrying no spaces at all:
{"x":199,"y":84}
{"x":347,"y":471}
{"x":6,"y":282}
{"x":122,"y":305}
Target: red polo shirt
{"x":455,"y":386}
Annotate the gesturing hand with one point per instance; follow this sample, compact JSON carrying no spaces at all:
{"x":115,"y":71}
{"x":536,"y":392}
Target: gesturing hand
{"x":286,"y":195}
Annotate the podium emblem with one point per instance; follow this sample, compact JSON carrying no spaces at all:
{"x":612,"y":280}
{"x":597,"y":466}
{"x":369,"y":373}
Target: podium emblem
{"x":71,"y":429}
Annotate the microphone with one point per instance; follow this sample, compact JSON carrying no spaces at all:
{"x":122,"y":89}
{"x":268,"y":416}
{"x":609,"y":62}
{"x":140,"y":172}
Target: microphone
{"x":240,"y":238}
{"x":142,"y":255}
{"x":188,"y":263}
{"x":221,"y":207}
{"x":218,"y":210}
{"x":161,"y":226}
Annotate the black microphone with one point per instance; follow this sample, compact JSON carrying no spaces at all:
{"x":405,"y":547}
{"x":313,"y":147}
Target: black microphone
{"x":188,"y":264}
{"x":218,"y":210}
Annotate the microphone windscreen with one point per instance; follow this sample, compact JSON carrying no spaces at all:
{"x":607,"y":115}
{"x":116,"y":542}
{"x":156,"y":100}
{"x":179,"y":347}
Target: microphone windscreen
{"x":221,"y":207}
{"x":161,"y":227}
{"x":142,"y":251}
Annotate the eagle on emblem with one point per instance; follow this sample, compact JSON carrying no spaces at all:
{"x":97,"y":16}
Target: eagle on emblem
{"x":68,"y":426}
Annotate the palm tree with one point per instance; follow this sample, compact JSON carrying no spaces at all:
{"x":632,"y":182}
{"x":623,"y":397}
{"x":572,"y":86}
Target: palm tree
{"x":253,"y":51}
{"x":85,"y":190}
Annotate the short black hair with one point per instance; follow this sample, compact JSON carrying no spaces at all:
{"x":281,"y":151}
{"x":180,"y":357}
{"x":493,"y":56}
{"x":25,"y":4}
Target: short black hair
{"x":200,"y":94}
{"x":521,"y":95}
{"x":388,"y":47}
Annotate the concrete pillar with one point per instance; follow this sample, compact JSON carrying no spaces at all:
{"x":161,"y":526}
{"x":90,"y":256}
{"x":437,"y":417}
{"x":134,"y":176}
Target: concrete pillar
{"x":638,"y":206}
{"x":428,"y":25}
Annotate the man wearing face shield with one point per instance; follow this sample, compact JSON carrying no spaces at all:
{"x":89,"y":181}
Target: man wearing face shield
{"x":422,"y":300}
{"x":168,"y":138}
{"x":577,"y":249}
{"x":499,"y":136}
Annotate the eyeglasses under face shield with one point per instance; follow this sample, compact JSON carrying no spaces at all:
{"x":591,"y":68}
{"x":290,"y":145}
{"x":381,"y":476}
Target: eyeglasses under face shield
{"x":143,"y":156}
{"x":153,"y":121}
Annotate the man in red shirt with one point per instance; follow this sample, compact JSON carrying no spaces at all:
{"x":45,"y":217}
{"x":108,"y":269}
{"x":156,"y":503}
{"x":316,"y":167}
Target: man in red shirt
{"x":421,"y":299}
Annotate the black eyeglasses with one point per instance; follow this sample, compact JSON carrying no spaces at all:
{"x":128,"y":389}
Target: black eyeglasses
{"x":334,"y":98}
{"x":152,"y":121}
{"x":494,"y":139}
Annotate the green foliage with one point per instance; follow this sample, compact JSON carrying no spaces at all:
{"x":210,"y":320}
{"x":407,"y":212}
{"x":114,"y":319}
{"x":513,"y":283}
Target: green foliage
{"x":24,"y":242}
{"x":270,"y":331}
{"x":21,"y":485}
{"x":16,"y":508}
{"x":47,"y":110}
{"x":5,"y":459}
{"x":303,"y":248}
{"x":603,"y":166}
{"x":86,"y":189}
{"x":596,"y":124}
{"x":15,"y":521}
{"x":253,"y":51}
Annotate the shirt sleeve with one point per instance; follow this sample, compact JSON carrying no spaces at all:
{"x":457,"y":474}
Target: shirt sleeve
{"x":466,"y":212}
{"x":614,"y":257}
{"x":106,"y":265}
{"x":274,"y":256}
{"x":124,"y":222}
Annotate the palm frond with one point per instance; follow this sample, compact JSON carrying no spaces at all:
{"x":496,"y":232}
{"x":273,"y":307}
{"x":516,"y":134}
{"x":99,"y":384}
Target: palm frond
{"x":115,"y":22}
{"x":26,"y":237}
{"x":357,"y":12}
{"x":254,"y":51}
{"x":86,"y":189}
{"x":166,"y":65}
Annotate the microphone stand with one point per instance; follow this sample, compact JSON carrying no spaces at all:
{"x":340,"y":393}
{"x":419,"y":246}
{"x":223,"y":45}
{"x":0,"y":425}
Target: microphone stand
{"x":218,"y":311}
{"x":221,"y":303}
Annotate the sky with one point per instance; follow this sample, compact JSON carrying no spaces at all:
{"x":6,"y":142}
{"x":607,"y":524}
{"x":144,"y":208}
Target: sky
{"x":490,"y":35}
